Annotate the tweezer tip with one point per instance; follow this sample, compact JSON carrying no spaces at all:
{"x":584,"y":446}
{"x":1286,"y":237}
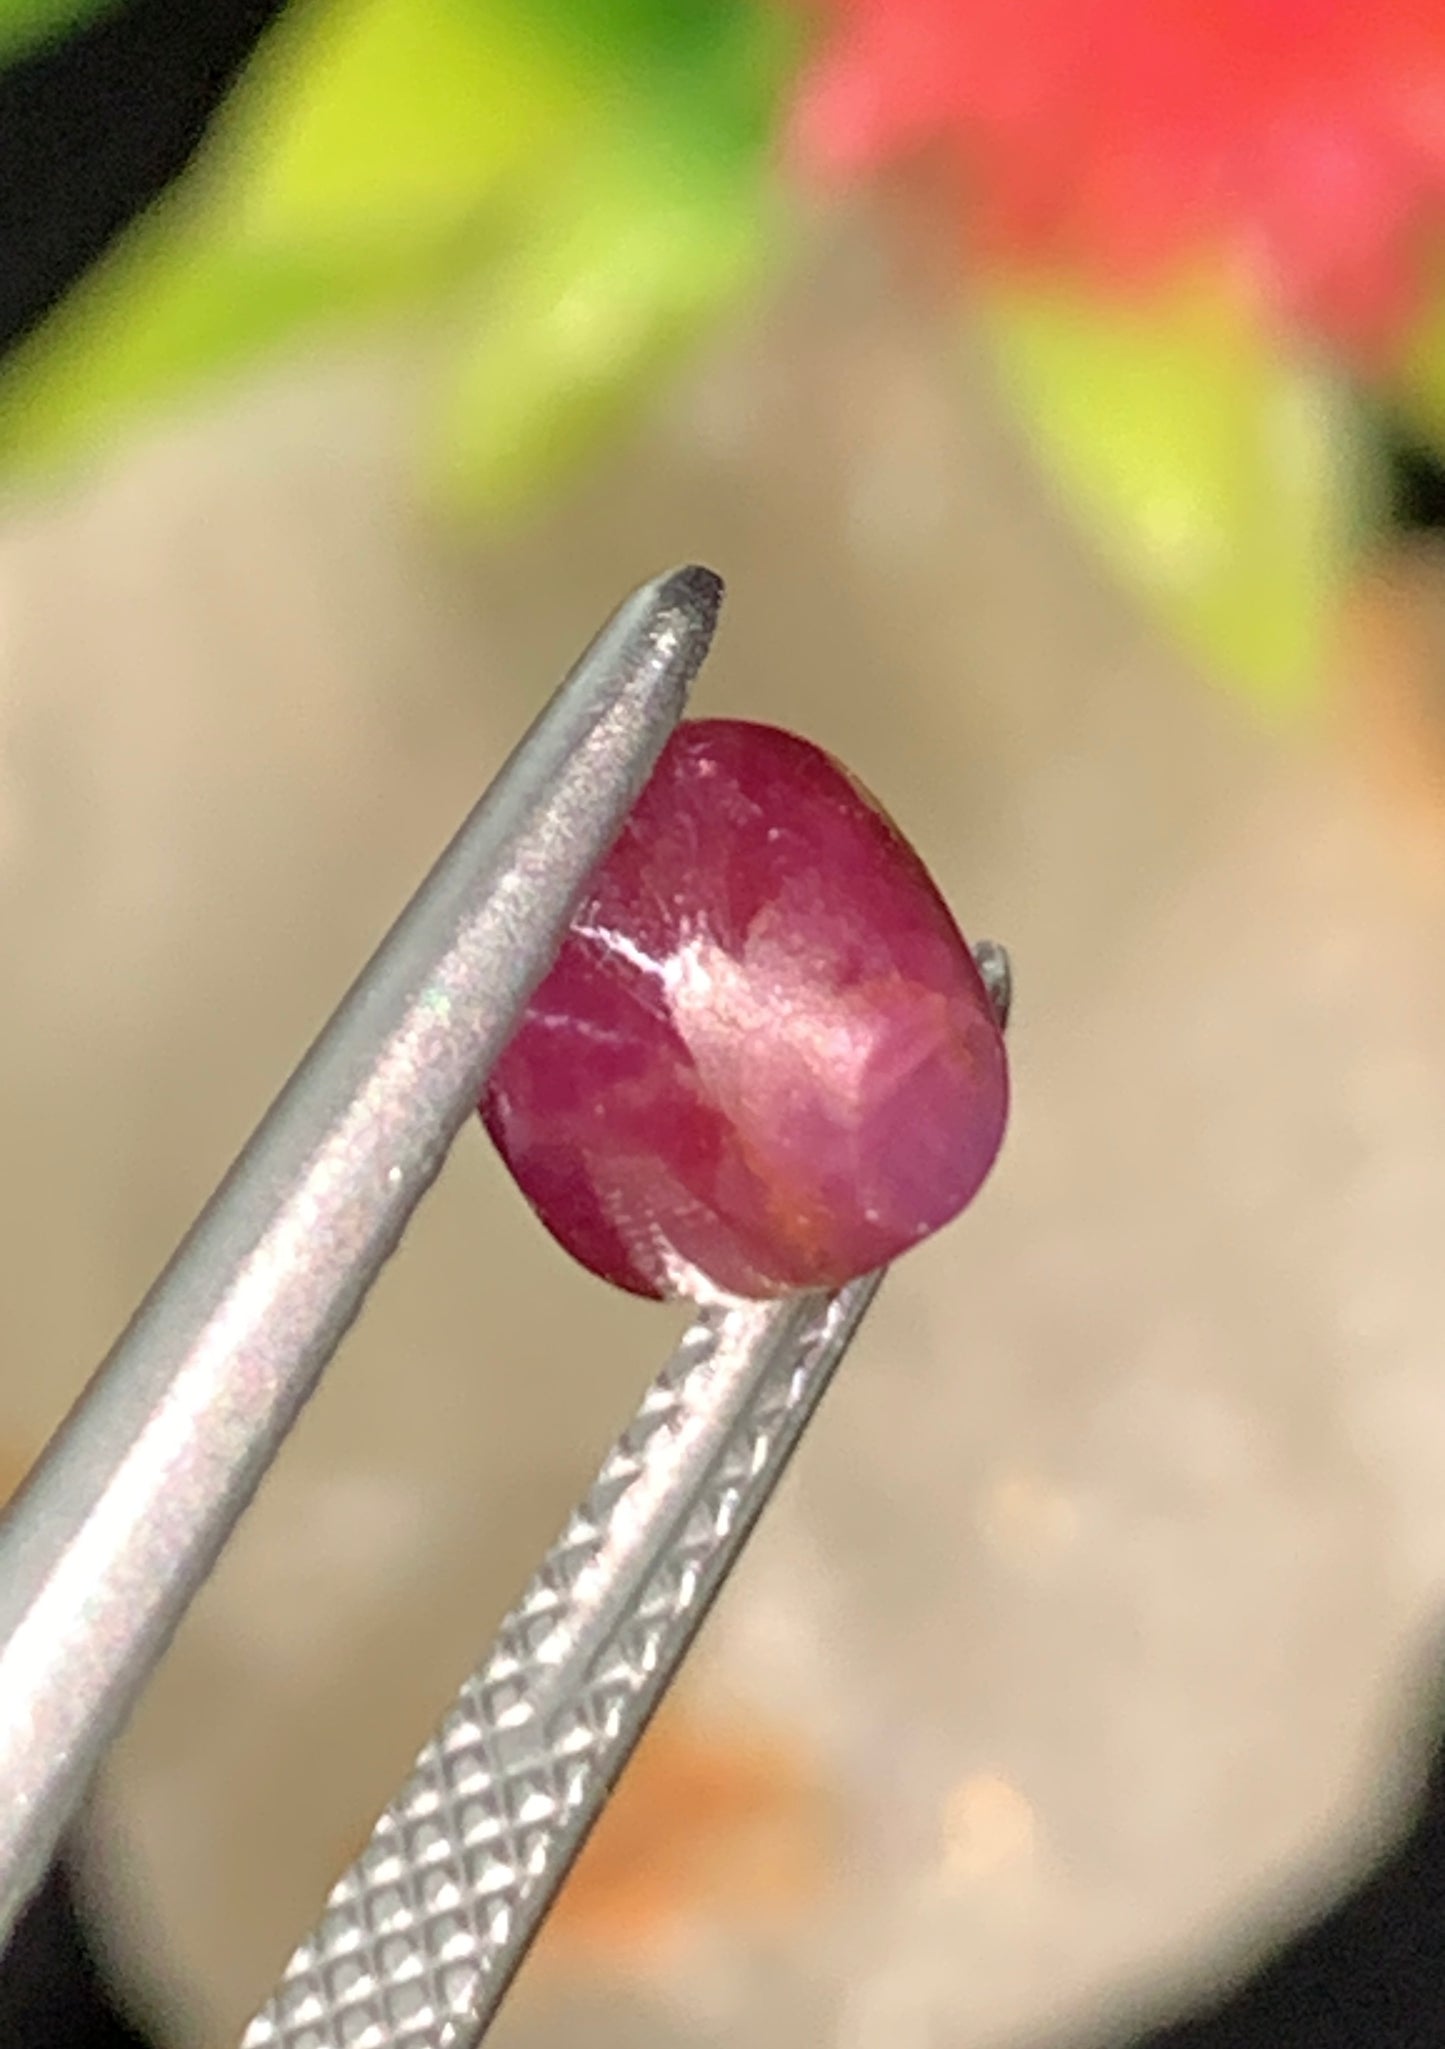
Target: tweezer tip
{"x":693,"y":590}
{"x":996,"y":969}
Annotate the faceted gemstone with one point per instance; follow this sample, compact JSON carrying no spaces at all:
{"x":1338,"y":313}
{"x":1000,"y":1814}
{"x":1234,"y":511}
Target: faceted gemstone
{"x":764,"y":1059}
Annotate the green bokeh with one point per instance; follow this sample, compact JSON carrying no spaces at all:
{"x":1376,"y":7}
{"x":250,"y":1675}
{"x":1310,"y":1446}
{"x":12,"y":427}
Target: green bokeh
{"x":593,"y":314}
{"x":469,"y":157}
{"x":1223,"y":480}
{"x":27,"y":25}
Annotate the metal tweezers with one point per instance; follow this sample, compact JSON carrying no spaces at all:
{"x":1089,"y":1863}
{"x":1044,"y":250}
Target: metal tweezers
{"x":130,"y":1504}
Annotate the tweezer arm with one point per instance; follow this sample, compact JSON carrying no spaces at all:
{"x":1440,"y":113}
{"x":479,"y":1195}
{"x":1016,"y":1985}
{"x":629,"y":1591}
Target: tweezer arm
{"x":131,"y":1503}
{"x":421,"y":1937}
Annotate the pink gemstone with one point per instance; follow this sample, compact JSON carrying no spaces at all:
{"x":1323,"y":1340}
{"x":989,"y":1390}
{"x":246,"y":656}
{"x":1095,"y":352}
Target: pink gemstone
{"x":764,"y":1059}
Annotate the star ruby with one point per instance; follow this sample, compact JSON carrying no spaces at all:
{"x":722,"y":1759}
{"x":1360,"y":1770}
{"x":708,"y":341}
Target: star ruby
{"x":764,"y":1059}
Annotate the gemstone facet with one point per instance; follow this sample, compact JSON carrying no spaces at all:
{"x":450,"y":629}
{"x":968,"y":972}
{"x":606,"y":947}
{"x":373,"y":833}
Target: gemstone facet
{"x":764,"y":1059}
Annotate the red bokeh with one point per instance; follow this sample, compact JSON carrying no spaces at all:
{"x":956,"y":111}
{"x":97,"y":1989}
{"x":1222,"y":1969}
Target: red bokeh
{"x":1300,"y":141}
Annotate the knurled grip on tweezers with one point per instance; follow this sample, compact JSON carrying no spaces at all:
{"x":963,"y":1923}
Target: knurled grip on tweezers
{"x":421,"y":1937}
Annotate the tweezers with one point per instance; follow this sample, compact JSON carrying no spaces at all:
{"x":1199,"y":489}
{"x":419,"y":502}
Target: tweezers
{"x":130,"y":1504}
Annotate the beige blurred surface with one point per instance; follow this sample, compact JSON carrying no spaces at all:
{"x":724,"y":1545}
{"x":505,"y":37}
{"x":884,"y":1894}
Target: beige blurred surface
{"x":1097,"y":1600}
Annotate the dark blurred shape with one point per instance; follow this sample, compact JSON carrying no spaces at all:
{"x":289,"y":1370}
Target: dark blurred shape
{"x":52,"y":1992}
{"x":1370,"y":1974}
{"x":1419,"y":482}
{"x":94,"y":127}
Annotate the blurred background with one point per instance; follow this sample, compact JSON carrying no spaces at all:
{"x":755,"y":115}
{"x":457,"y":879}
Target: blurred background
{"x":1057,"y":384}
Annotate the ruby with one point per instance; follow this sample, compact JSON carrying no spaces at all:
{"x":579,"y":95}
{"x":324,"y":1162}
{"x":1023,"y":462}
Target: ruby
{"x":765,"y":1059}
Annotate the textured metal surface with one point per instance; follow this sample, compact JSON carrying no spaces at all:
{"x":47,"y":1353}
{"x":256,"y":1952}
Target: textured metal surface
{"x":420,"y":1938}
{"x":128,"y":1508}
